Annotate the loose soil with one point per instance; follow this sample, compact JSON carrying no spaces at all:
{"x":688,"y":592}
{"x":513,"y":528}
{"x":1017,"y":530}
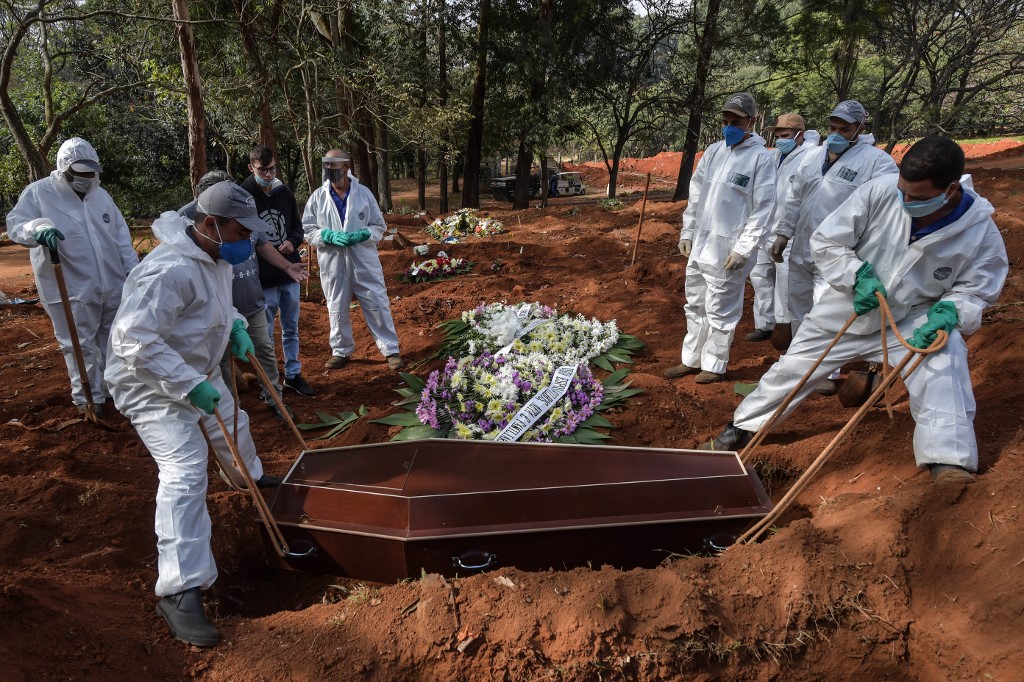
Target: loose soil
{"x":875,"y":574}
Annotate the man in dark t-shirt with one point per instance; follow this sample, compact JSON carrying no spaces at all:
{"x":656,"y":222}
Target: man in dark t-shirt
{"x":276,"y":206}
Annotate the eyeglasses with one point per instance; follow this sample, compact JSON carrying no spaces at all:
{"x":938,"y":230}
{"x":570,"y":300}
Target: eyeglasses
{"x":265,"y":170}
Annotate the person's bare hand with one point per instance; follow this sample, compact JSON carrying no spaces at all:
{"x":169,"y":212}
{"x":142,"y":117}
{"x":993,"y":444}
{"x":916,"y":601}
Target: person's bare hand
{"x":298,"y":272}
{"x":286,"y":247}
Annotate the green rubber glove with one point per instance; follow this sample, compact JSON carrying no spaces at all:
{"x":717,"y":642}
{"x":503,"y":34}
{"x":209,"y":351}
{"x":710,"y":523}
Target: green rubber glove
{"x":864,"y":299}
{"x":48,"y":237}
{"x":360,"y":236}
{"x":241,"y":344}
{"x":205,"y":397}
{"x":335,"y":238}
{"x":941,"y":315}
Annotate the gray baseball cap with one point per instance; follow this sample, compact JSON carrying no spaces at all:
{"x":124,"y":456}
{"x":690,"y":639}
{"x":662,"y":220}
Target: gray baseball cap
{"x":850,"y":111}
{"x":228,"y":200}
{"x":741,"y":104}
{"x":86,"y":166}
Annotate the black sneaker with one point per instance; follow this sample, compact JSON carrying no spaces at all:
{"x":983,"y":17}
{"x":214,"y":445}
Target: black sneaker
{"x":731,"y":439}
{"x":299,"y":385}
{"x":272,"y":405}
{"x":268,"y":481}
{"x":187,"y":620}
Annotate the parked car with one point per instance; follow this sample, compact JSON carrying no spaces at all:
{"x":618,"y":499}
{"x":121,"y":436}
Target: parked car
{"x":566,"y":184}
{"x":504,"y":189}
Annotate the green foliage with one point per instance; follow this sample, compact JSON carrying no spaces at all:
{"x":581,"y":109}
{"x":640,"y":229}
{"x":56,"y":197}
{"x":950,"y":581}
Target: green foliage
{"x":337,"y":424}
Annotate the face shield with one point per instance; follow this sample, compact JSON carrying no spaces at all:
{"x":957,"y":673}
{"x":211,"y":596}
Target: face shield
{"x":335,"y":168}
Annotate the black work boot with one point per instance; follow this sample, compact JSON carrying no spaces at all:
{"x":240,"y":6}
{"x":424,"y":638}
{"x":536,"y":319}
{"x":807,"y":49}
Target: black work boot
{"x":187,"y":620}
{"x":731,"y":438}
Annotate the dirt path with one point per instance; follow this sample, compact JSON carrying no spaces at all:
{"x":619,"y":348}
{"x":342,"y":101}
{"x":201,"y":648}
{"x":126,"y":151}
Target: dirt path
{"x":875,"y":574}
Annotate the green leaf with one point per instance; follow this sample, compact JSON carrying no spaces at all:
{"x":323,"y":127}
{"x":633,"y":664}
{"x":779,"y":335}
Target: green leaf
{"x":400,"y":419}
{"x":618,"y":357}
{"x":598,"y":421}
{"x":744,"y":389}
{"x":420,"y":432}
{"x":615,"y":377}
{"x":408,"y":393}
{"x":566,"y":439}
{"x":363,"y":410}
{"x":589,"y":434}
{"x":327,"y":418}
{"x":413,"y":381}
{"x":602,"y":362}
{"x":628,"y":393}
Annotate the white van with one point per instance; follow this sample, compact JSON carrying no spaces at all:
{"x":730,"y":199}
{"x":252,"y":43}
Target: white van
{"x":566,"y":184}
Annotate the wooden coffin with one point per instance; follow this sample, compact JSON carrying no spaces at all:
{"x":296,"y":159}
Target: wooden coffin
{"x":389,"y":511}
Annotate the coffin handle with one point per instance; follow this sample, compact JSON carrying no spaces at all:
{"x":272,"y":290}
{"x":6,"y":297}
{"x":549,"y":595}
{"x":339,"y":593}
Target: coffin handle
{"x":309,"y":553}
{"x":488,"y":561}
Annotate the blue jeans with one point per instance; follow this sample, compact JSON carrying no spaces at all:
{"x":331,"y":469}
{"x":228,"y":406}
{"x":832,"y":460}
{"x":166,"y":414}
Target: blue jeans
{"x":286,"y":298}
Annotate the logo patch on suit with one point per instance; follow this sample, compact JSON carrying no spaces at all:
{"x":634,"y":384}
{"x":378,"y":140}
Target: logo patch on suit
{"x":362,"y":216}
{"x":106,"y":217}
{"x":943,"y":273}
{"x":848,"y":174}
{"x":739,"y":179}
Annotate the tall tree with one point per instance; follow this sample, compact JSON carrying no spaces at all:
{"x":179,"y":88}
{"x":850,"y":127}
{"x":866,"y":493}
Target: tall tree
{"x":474,"y":147}
{"x":193,"y":91}
{"x":705,"y":34}
{"x":93,"y":86}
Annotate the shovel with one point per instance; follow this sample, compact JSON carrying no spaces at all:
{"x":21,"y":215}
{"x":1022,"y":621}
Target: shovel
{"x":76,"y":346}
{"x":782,"y":336}
{"x":857,"y":387}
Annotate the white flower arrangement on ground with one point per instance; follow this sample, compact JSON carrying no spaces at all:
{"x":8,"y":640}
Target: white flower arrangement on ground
{"x":537,"y":328}
{"x":500,"y":356}
{"x":462,"y":224}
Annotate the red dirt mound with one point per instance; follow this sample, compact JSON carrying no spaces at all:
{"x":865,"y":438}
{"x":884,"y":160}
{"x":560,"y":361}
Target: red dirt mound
{"x":875,"y":574}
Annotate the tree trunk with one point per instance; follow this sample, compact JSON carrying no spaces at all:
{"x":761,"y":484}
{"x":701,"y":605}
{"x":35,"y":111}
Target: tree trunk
{"x":524,"y":160}
{"x":34,"y":158}
{"x":442,"y":99}
{"x":250,"y":45}
{"x":474,"y":147}
{"x":544,"y":180}
{"x":457,"y":171}
{"x":193,"y":92}
{"x":697,"y":98}
{"x":380,"y":142}
{"x":421,"y":178}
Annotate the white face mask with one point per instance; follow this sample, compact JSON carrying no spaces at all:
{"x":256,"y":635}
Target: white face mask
{"x":83,"y":185}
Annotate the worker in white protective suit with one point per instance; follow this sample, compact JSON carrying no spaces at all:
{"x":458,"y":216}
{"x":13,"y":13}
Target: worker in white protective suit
{"x":926,"y":241}
{"x":343,"y":221}
{"x":732,"y":193}
{"x":166,"y":345}
{"x":790,"y":147}
{"x":826,"y":178}
{"x":69,"y":212}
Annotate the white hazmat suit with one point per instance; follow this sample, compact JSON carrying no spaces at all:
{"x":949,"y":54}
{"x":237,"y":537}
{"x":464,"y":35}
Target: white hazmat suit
{"x":763,"y":275}
{"x":169,"y":335}
{"x":96,"y":255}
{"x":812,"y":196}
{"x":355,"y":270}
{"x":732,"y":193}
{"x":963,"y":262}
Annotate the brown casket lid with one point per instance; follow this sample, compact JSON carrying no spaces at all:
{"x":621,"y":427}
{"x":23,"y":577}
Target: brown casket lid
{"x":444,"y":488}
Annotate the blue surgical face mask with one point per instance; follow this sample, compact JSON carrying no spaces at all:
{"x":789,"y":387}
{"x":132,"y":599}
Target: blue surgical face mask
{"x":733,"y":134}
{"x":836,"y":143}
{"x":785,"y":146}
{"x":261,"y":182}
{"x":232,"y":252}
{"x":920,"y":209}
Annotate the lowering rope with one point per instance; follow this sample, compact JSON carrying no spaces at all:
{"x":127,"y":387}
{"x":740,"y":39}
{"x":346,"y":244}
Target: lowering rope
{"x":753,"y":533}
